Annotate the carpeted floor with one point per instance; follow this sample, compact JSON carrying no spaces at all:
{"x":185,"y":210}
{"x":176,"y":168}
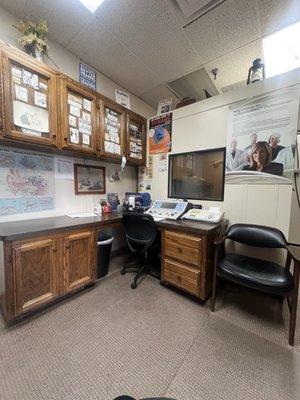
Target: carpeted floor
{"x":152,"y":341}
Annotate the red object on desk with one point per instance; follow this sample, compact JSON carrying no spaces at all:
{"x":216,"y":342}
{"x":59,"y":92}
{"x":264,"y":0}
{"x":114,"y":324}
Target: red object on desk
{"x":106,"y":209}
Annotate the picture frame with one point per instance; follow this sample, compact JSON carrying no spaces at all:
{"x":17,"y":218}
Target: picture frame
{"x":89,"y":179}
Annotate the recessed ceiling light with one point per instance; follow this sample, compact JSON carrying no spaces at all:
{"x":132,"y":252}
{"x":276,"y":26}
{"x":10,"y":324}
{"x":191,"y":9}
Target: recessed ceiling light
{"x":282,"y":50}
{"x":91,"y":5}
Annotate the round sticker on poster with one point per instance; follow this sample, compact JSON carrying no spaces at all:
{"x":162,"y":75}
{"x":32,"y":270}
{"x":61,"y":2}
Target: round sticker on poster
{"x":151,"y":132}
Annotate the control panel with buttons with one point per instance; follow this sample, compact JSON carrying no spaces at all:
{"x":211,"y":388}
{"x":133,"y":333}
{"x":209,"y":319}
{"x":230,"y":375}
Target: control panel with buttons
{"x":169,"y":209}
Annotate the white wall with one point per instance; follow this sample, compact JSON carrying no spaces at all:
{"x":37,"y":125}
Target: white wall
{"x":68,"y":63}
{"x":65,"y":199}
{"x":204,"y":125}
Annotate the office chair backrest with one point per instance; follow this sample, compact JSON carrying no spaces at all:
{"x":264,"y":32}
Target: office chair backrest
{"x":140,"y":229}
{"x":257,"y":235}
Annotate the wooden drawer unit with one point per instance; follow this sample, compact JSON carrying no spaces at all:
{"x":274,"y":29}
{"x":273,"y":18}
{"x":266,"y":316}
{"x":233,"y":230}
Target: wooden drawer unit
{"x":182,"y":276}
{"x":182,"y":247}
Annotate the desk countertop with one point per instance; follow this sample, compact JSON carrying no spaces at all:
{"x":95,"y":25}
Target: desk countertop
{"x":32,"y":227}
{"x":190,"y":226}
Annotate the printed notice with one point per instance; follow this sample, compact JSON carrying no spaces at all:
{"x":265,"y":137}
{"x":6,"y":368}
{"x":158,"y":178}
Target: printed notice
{"x":40,"y":99}
{"x":21,"y":93}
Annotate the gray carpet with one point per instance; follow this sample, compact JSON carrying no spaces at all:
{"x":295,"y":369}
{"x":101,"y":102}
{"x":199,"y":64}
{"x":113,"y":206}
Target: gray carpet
{"x":152,"y":341}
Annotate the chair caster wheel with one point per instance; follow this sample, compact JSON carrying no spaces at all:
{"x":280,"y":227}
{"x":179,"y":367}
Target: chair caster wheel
{"x":133,"y":285}
{"x":123,"y":272}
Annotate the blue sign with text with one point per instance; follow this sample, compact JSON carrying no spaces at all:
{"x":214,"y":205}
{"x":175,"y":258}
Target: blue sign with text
{"x":87,"y":76}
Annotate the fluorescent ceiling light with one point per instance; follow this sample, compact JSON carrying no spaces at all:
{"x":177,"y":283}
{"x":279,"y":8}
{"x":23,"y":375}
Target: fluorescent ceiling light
{"x":91,"y":5}
{"x":282,"y":50}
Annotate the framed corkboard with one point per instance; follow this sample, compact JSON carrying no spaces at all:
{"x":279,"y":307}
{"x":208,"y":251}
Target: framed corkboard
{"x":89,"y":179}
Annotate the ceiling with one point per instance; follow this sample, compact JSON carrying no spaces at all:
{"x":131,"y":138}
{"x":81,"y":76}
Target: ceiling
{"x":144,"y":44}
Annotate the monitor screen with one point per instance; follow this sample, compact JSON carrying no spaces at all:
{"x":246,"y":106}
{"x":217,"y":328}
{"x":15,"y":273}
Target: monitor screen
{"x":198,"y":175}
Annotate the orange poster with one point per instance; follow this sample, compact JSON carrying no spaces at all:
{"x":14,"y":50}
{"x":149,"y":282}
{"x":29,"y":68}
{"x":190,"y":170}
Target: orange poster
{"x":160,"y":134}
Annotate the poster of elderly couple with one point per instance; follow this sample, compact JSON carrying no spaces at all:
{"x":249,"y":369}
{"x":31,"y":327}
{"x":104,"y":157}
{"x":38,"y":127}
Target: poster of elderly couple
{"x":261,"y":140}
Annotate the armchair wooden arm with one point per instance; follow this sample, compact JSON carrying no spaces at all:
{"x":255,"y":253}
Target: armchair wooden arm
{"x":220,"y":240}
{"x":294,"y":252}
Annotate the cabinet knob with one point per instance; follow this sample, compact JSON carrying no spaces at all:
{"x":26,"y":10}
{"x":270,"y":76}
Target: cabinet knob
{"x":65,"y":139}
{"x":67,"y":247}
{"x":54,"y":135}
{"x":54,"y":250}
{"x":179,"y":249}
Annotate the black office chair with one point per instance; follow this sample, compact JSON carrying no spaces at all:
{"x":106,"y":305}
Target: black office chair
{"x":255,"y":273}
{"x":141,"y":235}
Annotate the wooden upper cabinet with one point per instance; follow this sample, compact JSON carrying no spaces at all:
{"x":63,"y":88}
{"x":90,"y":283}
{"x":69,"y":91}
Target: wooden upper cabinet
{"x":136,"y":139}
{"x":78,"y":117}
{"x":29,"y":96}
{"x":79,"y":259}
{"x":112,"y":130}
{"x":1,"y":97}
{"x":35,"y":271}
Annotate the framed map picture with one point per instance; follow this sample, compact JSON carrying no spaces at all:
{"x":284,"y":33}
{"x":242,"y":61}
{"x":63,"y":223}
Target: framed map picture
{"x":89,"y":179}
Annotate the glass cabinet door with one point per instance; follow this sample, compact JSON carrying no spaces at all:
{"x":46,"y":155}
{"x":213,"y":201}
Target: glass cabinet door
{"x":78,"y":116}
{"x":30,"y":111}
{"x":136,"y":139}
{"x":112,"y":131}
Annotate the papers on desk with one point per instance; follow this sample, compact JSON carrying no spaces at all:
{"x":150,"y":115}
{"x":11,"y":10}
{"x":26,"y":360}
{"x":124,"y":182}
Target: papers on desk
{"x":158,"y":218}
{"x":82,"y":215}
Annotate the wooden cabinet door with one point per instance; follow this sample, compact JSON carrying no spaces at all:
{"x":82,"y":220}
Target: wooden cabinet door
{"x":79,"y":259}
{"x":1,"y":97}
{"x":112,"y":131}
{"x":136,"y":139}
{"x":78,"y":117}
{"x":29,"y":94}
{"x":35,"y":270}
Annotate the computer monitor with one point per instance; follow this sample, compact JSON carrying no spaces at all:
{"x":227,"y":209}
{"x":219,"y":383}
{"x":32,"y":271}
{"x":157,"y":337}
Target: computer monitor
{"x":198,"y":175}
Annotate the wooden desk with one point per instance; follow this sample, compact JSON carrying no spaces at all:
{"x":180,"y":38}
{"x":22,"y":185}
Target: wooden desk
{"x":42,"y":260}
{"x":188,"y":253}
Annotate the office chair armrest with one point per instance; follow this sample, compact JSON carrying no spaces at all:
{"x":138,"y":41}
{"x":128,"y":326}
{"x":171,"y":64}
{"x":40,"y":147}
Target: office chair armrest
{"x":294,"y":252}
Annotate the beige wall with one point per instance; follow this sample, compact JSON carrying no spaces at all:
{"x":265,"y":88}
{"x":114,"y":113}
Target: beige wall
{"x":203,"y":125}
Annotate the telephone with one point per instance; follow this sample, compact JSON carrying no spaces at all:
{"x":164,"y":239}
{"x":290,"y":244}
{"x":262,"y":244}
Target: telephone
{"x":212,"y":214}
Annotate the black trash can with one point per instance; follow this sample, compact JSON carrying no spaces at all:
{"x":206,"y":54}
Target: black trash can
{"x":104,"y":244}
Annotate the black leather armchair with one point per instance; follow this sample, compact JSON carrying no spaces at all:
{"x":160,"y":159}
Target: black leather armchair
{"x":265,"y":276}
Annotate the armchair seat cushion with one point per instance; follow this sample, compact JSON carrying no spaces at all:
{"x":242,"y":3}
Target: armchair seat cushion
{"x":255,"y":273}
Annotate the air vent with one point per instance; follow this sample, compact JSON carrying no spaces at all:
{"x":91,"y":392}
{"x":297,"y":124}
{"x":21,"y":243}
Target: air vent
{"x":188,"y":11}
{"x":194,"y":85}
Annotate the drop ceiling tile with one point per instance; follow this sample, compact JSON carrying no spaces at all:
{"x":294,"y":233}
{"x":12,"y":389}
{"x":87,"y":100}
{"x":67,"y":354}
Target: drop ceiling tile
{"x":160,"y":92}
{"x":168,"y":71}
{"x":234,"y":67}
{"x":134,"y":20}
{"x":16,"y":7}
{"x":101,"y":49}
{"x":277,"y":14}
{"x":64,"y":18}
{"x":229,"y":26}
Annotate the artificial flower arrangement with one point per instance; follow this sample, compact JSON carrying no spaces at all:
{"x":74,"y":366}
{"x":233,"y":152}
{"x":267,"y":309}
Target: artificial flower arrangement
{"x":33,"y":38}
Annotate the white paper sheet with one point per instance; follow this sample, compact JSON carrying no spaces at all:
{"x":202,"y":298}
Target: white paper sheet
{"x":30,"y":117}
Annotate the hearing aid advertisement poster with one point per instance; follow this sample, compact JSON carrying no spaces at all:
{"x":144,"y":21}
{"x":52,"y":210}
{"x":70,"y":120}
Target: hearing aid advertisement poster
{"x":262,"y":135}
{"x":160,"y":134}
